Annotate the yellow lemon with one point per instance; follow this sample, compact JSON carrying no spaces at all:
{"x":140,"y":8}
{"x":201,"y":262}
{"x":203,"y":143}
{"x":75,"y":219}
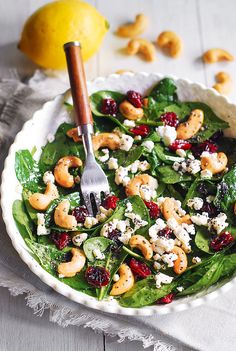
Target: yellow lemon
{"x":58,"y":22}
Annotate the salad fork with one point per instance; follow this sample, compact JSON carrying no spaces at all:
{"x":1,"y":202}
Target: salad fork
{"x":93,"y":180}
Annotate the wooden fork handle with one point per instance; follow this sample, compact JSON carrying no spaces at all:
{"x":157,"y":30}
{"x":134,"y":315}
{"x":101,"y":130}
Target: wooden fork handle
{"x":78,"y":85}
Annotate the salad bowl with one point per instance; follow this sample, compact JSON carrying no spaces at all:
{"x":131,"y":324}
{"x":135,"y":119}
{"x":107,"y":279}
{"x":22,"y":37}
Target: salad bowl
{"x":44,"y":124}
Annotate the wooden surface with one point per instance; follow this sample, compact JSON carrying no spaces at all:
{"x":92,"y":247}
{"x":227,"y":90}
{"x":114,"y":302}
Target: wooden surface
{"x":202,"y":24}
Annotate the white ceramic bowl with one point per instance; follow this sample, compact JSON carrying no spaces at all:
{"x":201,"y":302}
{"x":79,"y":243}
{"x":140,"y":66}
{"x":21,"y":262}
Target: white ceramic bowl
{"x":45,"y":121}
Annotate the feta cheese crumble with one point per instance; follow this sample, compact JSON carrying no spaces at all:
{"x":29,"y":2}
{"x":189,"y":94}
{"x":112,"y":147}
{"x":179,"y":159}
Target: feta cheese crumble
{"x":41,"y":228}
{"x":78,"y":239}
{"x":48,"y":177}
{"x":90,"y":222}
{"x":206,"y":174}
{"x":126,"y":142}
{"x":112,"y":163}
{"x":196,"y":260}
{"x":105,"y":155}
{"x":149,"y":145}
{"x":181,"y":153}
{"x":162,"y":278}
{"x":195,"y":203}
{"x":116,"y":277}
{"x":200,"y":219}
{"x":218,"y":223}
{"x":167,"y":133}
{"x":129,"y":123}
{"x":98,"y":255}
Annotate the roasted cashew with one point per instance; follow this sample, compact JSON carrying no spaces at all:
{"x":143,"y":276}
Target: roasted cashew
{"x":224,"y":83}
{"x":134,"y":187}
{"x":125,"y":283}
{"x":132,"y":30}
{"x":62,"y":218}
{"x":129,"y":111}
{"x":143,"y":245}
{"x":145,"y":102}
{"x":69,"y":269}
{"x":61,"y":171}
{"x":181,"y":263}
{"x":41,"y":202}
{"x":73,"y":133}
{"x":109,"y":140}
{"x":142,"y":46}
{"x":188,"y":129}
{"x":215,"y":163}
{"x":171,"y":43}
{"x":216,"y":55}
{"x":169,"y":209}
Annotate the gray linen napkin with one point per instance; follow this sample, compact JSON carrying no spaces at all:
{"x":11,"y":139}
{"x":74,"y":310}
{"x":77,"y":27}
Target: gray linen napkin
{"x":210,"y":327}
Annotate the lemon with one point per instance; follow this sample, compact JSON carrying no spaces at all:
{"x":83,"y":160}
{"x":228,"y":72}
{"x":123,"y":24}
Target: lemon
{"x":58,"y":22}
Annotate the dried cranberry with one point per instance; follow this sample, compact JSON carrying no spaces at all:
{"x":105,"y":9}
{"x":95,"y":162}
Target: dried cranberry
{"x":205,"y":146}
{"x":142,"y":130}
{"x":60,"y":239}
{"x":217,"y":135}
{"x":109,"y":107}
{"x":140,"y":269}
{"x":180,"y":144}
{"x":134,"y":98}
{"x":221,"y":241}
{"x":166,"y":299}
{"x":210,"y":209}
{"x":110,"y":202}
{"x":154,"y":210}
{"x":170,"y":119}
{"x":166,"y":232}
{"x":117,"y":244}
{"x":80,"y":213}
{"x":97,"y":276}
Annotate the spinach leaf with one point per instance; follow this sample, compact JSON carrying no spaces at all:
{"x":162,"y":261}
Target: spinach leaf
{"x":144,"y":293}
{"x":30,"y":210}
{"x":192,"y":192}
{"x":79,"y":283}
{"x":125,"y":159}
{"x":202,"y":240}
{"x":229,"y":265}
{"x":153,"y":161}
{"x":23,"y":222}
{"x":226,"y":191}
{"x":165,"y":91}
{"x":91,"y":244}
{"x":27,"y":171}
{"x":169,"y":176}
{"x":60,"y":147}
{"x":228,"y":146}
{"x":174,"y":193}
{"x":166,"y":156}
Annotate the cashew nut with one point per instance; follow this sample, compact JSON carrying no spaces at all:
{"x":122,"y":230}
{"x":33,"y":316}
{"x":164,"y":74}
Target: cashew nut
{"x":73,"y":133}
{"x":132,"y":30}
{"x":62,"y":218}
{"x":171,"y":43}
{"x":169,"y":209}
{"x":181,"y":263}
{"x":224,"y":83}
{"x":216,"y":55}
{"x":145,"y":102}
{"x":139,"y":184}
{"x":61,"y":171}
{"x":125,"y":283}
{"x":110,"y":140}
{"x":143,"y":245}
{"x":215,"y":163}
{"x":69,"y":269}
{"x":41,"y":201}
{"x":129,"y":111}
{"x":188,"y":129}
{"x":142,"y":46}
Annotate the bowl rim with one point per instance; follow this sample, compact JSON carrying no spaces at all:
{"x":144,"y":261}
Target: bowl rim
{"x":60,"y":287}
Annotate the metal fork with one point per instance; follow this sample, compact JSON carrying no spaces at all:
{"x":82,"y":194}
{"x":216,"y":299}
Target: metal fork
{"x":93,"y":180}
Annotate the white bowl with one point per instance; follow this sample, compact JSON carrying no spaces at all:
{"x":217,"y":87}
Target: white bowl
{"x":45,"y":121}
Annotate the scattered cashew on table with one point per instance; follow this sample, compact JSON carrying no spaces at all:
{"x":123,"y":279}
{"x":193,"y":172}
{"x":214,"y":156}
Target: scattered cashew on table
{"x":216,"y":55}
{"x":143,"y":47}
{"x":132,"y":30}
{"x":171,"y":43}
{"x":224,"y":83}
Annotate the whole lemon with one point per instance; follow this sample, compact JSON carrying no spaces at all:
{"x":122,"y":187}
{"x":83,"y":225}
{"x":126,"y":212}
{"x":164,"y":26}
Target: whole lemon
{"x":58,"y":22}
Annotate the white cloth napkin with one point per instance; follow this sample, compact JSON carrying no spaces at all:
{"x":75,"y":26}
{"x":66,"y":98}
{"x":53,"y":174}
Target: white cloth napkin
{"x":211,"y":327}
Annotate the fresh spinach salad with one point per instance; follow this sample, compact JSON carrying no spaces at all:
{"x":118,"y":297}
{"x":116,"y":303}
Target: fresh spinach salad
{"x":168,"y":227}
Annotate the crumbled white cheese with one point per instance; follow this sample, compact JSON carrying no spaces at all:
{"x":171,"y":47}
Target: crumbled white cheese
{"x":144,"y":166}
{"x":48,"y":177}
{"x":162,"y":245}
{"x":112,"y":163}
{"x":169,"y":259}
{"x":154,"y":229}
{"x":116,"y":277}
{"x":191,"y":157}
{"x":121,"y":176}
{"x":200,"y":219}
{"x":136,"y":219}
{"x":162,"y":278}
{"x":41,"y":228}
{"x":105,"y":155}
{"x":206,"y":174}
{"x":126,"y":142}
{"x":180,"y":288}
{"x":78,"y":239}
{"x":196,"y":203}
{"x":103,"y":214}
{"x":218,"y":223}
{"x":189,"y":228}
{"x":129,"y":123}
{"x":149,"y":145}
{"x":129,"y":207}
{"x":210,"y":198}
{"x":189,"y":166}
{"x":196,"y":260}
{"x":125,"y":237}
{"x":157,"y":265}
{"x":50,"y":137}
{"x":181,"y":233}
{"x":148,"y":192}
{"x":98,"y":255}
{"x":181,"y":153}
{"x":167,"y":133}
{"x":122,"y":225}
{"x":90,"y":222}
{"x":133,"y":168}
{"x":137,"y":137}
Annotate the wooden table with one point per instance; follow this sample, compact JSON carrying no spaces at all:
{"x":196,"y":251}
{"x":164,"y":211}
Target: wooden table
{"x":202,"y":24}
